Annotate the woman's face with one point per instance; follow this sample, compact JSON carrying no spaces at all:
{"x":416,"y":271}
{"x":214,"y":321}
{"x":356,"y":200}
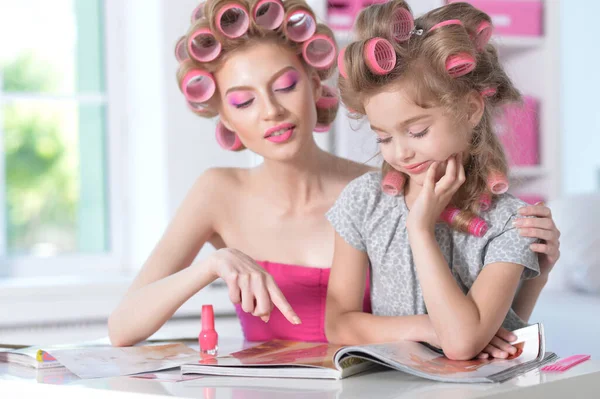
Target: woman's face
{"x":268,"y":99}
{"x":411,"y":137}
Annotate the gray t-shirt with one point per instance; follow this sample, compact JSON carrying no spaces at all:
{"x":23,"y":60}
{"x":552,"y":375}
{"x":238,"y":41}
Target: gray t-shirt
{"x":375,"y":223}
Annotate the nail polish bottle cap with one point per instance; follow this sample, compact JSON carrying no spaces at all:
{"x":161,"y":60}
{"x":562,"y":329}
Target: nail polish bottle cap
{"x":208,"y":317}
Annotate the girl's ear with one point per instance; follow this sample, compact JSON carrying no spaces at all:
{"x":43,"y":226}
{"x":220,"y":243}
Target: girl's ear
{"x":476,"y":106}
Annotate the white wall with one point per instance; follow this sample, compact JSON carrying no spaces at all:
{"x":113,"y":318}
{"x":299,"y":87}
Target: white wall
{"x":580,"y":85}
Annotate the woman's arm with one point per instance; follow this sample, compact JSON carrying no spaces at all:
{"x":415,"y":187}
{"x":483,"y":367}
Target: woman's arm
{"x":166,"y":282}
{"x":542,"y":227}
{"x":345,"y":321}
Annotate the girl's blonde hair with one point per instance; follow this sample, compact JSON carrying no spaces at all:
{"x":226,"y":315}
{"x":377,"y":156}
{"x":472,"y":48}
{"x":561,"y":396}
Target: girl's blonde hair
{"x":421,"y":64}
{"x":255,"y":34}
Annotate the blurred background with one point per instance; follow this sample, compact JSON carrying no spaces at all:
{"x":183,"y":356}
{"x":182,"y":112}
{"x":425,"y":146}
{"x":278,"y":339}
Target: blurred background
{"x":98,"y":150}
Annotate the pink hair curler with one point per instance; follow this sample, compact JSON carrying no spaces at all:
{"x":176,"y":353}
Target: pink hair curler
{"x":447,"y":22}
{"x":203,"y":46}
{"x":198,"y":86}
{"x":199,"y":108}
{"x":319,"y":51}
{"x":477,"y":226}
{"x":497,"y":183}
{"x":488,"y":92}
{"x":402,"y":25}
{"x":300,"y":26}
{"x":198,"y":12}
{"x":227,"y":139}
{"x":485,"y":201}
{"x":460,"y":64}
{"x":268,"y":14}
{"x":328,"y":99}
{"x":232,"y":20}
{"x":341,"y":66}
{"x":380,"y":56}
{"x":320,"y":128}
{"x":393,"y":183}
{"x":181,"y":52}
{"x":483,"y":35}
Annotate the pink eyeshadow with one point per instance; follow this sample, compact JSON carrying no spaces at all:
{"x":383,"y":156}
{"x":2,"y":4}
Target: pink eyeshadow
{"x":238,"y":98}
{"x":286,"y":80}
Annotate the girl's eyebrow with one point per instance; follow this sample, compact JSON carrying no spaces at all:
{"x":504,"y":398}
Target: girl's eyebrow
{"x":273,"y":78}
{"x":403,"y":123}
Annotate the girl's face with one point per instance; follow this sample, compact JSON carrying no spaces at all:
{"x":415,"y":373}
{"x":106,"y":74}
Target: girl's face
{"x":411,"y":137}
{"x":268,"y":99}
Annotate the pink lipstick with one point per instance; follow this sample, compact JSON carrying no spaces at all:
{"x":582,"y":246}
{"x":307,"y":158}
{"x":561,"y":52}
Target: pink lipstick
{"x":280,"y":133}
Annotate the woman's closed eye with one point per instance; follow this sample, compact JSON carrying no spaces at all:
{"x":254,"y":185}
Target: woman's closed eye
{"x":289,"y":88}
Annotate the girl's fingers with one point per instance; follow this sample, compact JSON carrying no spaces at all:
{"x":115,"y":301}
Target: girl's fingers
{"x":447,"y":181}
{"x":503,"y":345}
{"x":506,"y":335}
{"x":495,"y":352}
{"x":540,"y":223}
{"x":430,"y":177}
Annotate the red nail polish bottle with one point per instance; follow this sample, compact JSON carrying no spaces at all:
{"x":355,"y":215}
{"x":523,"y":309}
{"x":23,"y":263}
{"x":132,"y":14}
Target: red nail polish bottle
{"x":208,"y":337}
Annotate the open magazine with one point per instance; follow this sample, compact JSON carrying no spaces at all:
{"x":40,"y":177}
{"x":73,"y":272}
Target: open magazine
{"x":289,"y":359}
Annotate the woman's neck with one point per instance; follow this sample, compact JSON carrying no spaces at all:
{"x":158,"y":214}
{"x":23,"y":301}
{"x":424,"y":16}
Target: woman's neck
{"x":294,"y":184}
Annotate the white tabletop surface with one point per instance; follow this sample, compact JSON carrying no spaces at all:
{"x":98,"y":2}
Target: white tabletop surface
{"x":582,"y":381}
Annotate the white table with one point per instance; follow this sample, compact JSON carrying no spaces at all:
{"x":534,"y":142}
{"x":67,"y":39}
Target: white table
{"x":582,"y":381}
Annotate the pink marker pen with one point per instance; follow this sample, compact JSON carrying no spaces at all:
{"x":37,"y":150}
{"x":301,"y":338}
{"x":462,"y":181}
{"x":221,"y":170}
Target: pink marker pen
{"x":208,"y":337}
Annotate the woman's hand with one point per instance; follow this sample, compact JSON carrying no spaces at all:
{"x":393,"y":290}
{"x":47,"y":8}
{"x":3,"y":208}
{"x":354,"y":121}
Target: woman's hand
{"x":435,"y":196}
{"x":542,"y":227}
{"x":250,"y":285}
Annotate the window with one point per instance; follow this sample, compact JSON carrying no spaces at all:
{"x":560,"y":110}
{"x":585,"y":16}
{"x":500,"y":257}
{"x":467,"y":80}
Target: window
{"x":57,"y":180}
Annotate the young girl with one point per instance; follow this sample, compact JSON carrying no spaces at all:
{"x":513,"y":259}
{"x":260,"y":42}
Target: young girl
{"x":434,"y":227}
{"x":259,"y":67}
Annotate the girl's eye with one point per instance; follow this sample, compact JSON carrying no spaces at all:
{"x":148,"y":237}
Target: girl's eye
{"x":289,"y":88}
{"x":419,"y":134}
{"x":244,"y":104}
{"x":380,"y":140}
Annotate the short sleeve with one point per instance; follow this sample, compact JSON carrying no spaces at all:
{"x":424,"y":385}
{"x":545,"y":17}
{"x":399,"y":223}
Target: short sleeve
{"x":347,"y":216}
{"x":510,"y":247}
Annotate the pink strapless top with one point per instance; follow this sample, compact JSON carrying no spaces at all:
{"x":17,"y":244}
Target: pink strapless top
{"x":305,"y":288}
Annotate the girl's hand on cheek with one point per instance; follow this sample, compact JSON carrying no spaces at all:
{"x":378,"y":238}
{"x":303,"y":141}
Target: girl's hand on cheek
{"x":435,"y":196}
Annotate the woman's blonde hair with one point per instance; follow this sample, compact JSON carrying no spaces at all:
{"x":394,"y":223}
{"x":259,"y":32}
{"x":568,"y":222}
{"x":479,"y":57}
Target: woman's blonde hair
{"x":421,"y":63}
{"x":254,"y":34}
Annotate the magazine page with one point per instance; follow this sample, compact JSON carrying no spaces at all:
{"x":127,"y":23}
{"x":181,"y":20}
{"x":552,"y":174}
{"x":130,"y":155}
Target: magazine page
{"x":419,"y":360}
{"x":108,"y":361}
{"x":278,"y":359}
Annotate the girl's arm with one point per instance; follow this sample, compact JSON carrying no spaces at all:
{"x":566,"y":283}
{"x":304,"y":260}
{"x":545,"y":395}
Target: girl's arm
{"x":345,"y":321}
{"x":464,"y":324}
{"x":166,"y":282}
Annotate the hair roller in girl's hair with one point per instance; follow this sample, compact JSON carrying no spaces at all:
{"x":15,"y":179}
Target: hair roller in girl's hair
{"x":485,"y":201}
{"x":379,"y":55}
{"x":341,"y":66}
{"x":477,"y":226}
{"x":402,"y":24}
{"x":488,"y":92}
{"x":181,"y":53}
{"x":460,"y":64}
{"x":393,"y":182}
{"x":483,"y":35}
{"x":447,"y":22}
{"x":497,"y":183}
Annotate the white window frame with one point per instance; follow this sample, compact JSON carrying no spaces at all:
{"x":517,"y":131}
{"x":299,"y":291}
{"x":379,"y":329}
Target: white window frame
{"x":114,"y":260}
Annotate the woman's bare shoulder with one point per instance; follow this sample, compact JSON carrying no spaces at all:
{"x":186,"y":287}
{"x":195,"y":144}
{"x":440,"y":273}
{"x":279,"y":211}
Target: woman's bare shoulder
{"x":347,"y":170}
{"x":218,"y":184}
